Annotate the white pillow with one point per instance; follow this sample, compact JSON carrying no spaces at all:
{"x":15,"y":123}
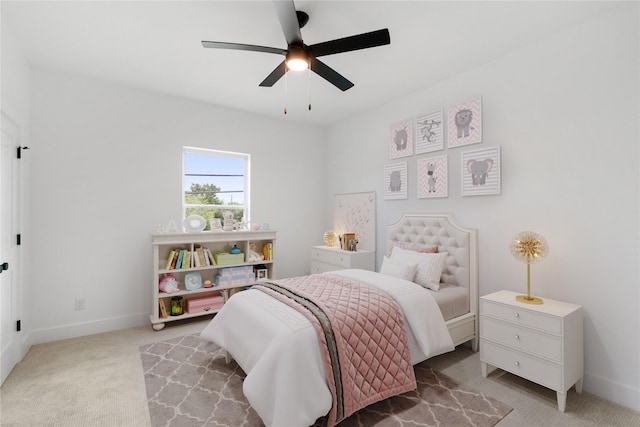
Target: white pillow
{"x":401,"y":271}
{"x":429,"y":266}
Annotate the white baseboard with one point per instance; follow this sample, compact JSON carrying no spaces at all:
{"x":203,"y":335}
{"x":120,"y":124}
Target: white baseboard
{"x":622,"y":394}
{"x":39,"y":336}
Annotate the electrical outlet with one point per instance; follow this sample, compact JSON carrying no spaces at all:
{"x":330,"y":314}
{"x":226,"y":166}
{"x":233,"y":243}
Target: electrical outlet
{"x":79,"y":304}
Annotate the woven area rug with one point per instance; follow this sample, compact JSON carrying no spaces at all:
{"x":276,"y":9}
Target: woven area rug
{"x":189,"y":384}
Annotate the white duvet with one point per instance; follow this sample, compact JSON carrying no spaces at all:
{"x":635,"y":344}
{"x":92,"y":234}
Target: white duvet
{"x":277,"y":347}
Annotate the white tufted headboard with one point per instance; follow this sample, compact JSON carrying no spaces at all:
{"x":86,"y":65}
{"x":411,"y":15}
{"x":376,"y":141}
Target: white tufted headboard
{"x":461,"y":268}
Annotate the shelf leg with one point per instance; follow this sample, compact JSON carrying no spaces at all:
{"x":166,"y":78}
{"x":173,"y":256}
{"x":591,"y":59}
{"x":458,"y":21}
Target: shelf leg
{"x":158,"y":326}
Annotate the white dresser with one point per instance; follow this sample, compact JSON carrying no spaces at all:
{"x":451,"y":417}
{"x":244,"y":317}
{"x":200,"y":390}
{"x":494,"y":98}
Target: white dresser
{"x":324,"y":258}
{"x":542,"y":343}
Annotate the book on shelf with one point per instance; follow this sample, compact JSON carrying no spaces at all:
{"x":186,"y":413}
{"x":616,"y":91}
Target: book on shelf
{"x":174,"y":260}
{"x":169,"y":260}
{"x":163,"y":308}
{"x":196,"y":258}
{"x":179,"y":260}
{"x":186,"y":259}
{"x":212,"y":260}
{"x":267,"y":251}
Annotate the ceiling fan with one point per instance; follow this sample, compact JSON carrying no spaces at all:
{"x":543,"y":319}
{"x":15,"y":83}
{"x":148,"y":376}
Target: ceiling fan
{"x":298,"y":55}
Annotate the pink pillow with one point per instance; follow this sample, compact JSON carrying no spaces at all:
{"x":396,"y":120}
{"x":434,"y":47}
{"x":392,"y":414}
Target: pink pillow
{"x":413,"y":247}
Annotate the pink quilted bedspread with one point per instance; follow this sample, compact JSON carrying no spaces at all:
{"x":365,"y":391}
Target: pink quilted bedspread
{"x":362,"y":336}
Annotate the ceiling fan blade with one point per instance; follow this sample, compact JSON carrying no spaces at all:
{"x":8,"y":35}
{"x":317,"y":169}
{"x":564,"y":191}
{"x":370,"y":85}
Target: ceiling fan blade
{"x":330,"y":75}
{"x":286,"y":12}
{"x":346,"y":44}
{"x":240,"y":46}
{"x":275,"y":75}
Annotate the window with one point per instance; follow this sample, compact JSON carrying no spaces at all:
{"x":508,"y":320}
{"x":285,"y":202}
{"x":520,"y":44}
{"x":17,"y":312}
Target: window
{"x":214,"y":182}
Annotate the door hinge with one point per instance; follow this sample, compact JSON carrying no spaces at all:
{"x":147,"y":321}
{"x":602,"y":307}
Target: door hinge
{"x":18,"y":239}
{"x":20,"y":151}
{"x":17,"y":326}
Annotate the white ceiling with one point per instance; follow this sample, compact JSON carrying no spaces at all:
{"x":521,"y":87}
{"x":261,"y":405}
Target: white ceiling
{"x":155,"y":45}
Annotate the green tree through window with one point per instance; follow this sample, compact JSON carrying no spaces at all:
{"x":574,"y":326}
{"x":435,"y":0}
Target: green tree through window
{"x":213,"y":182}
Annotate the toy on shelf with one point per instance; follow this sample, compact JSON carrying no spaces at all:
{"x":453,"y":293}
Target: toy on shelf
{"x":253,"y":254}
{"x":168,"y":283}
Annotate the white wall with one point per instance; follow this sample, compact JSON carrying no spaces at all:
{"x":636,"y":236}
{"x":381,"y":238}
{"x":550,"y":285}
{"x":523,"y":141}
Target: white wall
{"x":107,"y":165}
{"x":565,"y":112}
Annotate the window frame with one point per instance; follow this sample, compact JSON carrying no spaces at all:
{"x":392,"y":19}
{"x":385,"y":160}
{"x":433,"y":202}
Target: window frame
{"x":218,"y":153}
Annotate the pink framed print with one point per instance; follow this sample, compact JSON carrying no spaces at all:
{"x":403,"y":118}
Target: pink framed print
{"x":395,"y":181}
{"x":465,"y":123}
{"x":432,"y":177}
{"x":430,"y":132}
{"x":481,"y":172}
{"x":401,"y":141}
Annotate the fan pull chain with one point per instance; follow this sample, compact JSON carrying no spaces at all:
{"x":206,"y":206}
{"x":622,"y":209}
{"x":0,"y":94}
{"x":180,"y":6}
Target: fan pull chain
{"x":309,"y":88}
{"x":285,"y":92}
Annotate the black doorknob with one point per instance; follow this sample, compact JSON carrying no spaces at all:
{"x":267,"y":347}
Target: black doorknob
{"x":4,"y":266}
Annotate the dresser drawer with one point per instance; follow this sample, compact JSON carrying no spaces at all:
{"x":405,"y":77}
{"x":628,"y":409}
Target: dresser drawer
{"x":334,"y":257}
{"x":520,"y":338}
{"x":537,"y":370}
{"x":321,"y":267}
{"x":522,"y":316}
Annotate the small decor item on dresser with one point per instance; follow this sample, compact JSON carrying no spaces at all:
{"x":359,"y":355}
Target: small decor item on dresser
{"x":330,"y":238}
{"x":192,"y":281}
{"x":529,"y":247}
{"x":176,"y":306}
{"x":346,"y":241}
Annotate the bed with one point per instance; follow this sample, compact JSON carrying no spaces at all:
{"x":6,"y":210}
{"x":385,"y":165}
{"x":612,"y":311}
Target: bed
{"x":279,"y":349}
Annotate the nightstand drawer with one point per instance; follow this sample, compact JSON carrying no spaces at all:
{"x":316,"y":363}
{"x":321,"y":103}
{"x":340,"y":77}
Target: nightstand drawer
{"x":522,"y":316}
{"x":519,"y":338}
{"x":336,"y":258}
{"x":537,"y":370}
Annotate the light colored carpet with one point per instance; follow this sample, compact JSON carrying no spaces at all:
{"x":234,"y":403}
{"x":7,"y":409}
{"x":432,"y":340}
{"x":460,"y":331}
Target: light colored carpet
{"x":98,"y":381}
{"x":189,"y":384}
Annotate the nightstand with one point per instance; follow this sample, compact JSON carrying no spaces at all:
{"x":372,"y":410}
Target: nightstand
{"x":324,"y":258}
{"x":542,"y":343}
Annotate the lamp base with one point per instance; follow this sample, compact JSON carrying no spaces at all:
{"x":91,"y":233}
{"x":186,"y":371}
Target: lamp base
{"x":529,"y":299}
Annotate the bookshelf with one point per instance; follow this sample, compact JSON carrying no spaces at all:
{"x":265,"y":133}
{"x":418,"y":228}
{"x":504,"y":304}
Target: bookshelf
{"x":219,"y":265}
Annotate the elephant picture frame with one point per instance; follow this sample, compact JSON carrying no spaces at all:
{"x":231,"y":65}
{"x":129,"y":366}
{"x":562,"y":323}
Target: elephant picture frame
{"x":465,"y":123}
{"x":481,"y":172}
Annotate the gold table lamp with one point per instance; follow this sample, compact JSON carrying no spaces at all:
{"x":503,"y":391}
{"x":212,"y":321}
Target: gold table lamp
{"x":529,"y":247}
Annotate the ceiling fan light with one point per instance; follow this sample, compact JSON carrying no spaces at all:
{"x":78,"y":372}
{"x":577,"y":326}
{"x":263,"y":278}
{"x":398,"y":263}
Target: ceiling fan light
{"x":297,"y":64}
{"x":297,"y":59}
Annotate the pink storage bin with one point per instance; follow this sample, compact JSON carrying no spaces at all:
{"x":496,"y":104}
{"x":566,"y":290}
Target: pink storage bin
{"x":202,"y":304}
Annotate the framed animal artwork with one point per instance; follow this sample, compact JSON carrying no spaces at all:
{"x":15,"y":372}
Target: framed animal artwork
{"x":465,"y":123}
{"x":356,"y":212}
{"x":430,"y":132}
{"x":432,"y":177}
{"x":481,"y":172}
{"x":401,"y":141}
{"x":395,"y":181}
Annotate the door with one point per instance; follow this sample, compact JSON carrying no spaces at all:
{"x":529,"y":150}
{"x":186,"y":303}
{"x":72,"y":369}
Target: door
{"x":9,"y":339}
